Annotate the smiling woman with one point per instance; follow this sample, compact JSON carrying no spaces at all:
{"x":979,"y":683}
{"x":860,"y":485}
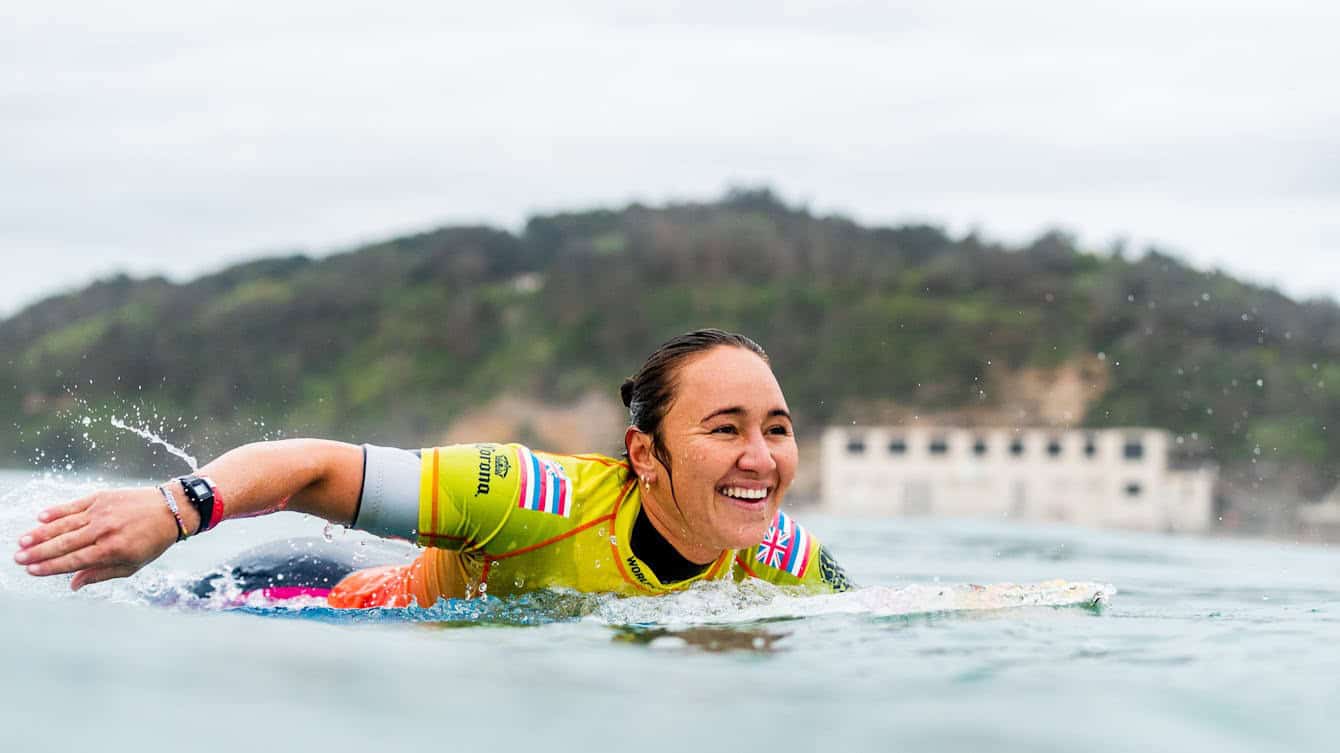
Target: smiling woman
{"x":723,"y":415}
{"x":710,"y":454}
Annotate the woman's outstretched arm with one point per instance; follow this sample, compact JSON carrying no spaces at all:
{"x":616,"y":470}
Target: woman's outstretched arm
{"x":113,"y":533}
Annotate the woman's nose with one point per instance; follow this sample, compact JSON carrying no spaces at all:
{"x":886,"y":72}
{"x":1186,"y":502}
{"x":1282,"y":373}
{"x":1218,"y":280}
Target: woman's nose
{"x":757,"y":456}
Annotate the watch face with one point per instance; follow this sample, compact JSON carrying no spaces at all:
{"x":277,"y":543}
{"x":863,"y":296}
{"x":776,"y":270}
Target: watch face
{"x":201,"y":489}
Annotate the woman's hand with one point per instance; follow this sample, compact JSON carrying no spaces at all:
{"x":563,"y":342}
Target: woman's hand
{"x":114,"y":533}
{"x":108,"y":534}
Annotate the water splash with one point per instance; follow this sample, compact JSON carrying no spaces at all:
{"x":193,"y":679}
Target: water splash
{"x":155,"y":439}
{"x":19,"y":506}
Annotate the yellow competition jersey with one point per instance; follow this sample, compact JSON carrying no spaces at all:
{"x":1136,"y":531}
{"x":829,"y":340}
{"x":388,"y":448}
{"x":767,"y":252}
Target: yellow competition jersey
{"x":503,"y":520}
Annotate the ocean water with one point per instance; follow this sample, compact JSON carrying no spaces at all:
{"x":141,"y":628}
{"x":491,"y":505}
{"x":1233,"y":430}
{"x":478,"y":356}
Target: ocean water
{"x":1207,"y":645}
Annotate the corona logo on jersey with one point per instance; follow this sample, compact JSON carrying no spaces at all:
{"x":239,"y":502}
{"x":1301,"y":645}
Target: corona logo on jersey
{"x":786,"y":546}
{"x":544,"y":485}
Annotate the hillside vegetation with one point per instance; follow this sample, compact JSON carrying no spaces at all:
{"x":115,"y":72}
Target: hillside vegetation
{"x":394,"y":341}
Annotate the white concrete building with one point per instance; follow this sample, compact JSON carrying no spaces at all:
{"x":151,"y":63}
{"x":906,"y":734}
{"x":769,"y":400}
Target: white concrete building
{"x":1322,"y":519}
{"x":1102,"y":477}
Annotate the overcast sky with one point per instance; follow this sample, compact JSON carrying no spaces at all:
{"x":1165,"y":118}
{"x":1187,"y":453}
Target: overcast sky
{"x":169,"y":137}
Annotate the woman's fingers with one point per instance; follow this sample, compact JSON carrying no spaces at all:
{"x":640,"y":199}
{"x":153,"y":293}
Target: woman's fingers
{"x":108,"y":534}
{"x":99,"y":574}
{"x":59,"y":527}
{"x":69,"y":508}
{"x":94,"y":556}
{"x":56,"y":546}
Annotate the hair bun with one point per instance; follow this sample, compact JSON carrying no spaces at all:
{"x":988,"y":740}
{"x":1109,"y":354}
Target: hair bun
{"x":626,"y":392}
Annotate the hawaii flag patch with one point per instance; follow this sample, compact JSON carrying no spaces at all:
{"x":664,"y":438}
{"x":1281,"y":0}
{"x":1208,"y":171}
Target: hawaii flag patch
{"x":544,"y":485}
{"x":786,"y":546}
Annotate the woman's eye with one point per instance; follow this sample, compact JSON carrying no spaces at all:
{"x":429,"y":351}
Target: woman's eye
{"x":781,"y":431}
{"x":727,"y":429}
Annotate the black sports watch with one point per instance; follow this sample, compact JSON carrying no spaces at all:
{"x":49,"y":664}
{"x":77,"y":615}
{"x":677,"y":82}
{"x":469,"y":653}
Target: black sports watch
{"x":200,"y":493}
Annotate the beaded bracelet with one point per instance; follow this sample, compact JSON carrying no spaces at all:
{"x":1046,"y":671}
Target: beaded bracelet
{"x":176,"y":513}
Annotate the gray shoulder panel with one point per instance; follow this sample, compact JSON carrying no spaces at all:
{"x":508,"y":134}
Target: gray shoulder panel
{"x":390,"y":503}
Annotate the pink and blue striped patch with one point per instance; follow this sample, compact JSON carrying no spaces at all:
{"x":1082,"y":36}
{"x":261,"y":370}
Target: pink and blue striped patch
{"x":544,"y":485}
{"x":786,"y":546}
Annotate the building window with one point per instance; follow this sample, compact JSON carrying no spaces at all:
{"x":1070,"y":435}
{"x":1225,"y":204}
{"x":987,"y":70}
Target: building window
{"x":1133,"y":489}
{"x":1134,"y":449}
{"x":939,"y":446}
{"x":1016,"y":447}
{"x":1054,"y":447}
{"x":1090,"y":446}
{"x":898,"y":447}
{"x":979,"y":447}
{"x":855,"y":446}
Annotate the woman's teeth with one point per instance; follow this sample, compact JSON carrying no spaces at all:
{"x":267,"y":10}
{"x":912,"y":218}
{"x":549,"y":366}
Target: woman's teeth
{"x":739,"y":493}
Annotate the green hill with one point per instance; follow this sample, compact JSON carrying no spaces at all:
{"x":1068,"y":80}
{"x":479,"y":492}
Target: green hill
{"x":394,"y":341}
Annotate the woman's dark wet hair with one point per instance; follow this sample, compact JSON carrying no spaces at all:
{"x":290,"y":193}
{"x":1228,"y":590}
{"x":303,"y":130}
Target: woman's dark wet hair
{"x":649,"y":393}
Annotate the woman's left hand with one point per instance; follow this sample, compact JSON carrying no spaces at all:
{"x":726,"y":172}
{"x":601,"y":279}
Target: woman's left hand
{"x":108,"y":534}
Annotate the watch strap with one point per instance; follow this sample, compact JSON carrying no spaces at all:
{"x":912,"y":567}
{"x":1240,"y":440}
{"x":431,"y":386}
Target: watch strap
{"x":203,"y":495}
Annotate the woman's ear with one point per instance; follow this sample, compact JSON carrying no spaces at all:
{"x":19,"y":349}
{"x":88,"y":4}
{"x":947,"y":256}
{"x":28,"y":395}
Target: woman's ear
{"x":640,"y":455}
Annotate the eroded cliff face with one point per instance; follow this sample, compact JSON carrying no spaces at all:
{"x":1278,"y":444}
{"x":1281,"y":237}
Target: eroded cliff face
{"x":593,"y":423}
{"x":1057,"y":397}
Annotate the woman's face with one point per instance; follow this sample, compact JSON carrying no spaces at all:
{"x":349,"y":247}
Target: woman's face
{"x":732,"y":450}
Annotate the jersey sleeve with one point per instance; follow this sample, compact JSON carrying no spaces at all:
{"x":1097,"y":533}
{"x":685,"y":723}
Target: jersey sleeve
{"x":463,"y":497}
{"x":790,"y":556}
{"x":467,"y":495}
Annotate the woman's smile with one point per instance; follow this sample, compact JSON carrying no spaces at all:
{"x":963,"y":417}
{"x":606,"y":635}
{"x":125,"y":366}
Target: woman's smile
{"x":744,"y":493}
